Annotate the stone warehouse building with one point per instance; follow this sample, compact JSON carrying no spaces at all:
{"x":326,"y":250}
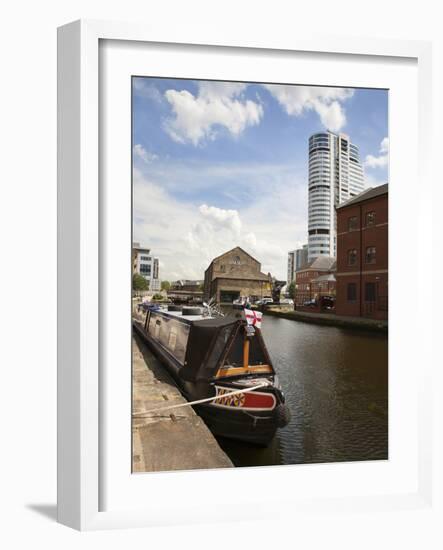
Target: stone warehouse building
{"x":233,"y":274}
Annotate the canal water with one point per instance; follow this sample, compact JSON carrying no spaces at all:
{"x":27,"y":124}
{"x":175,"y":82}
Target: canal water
{"x":336,"y":384}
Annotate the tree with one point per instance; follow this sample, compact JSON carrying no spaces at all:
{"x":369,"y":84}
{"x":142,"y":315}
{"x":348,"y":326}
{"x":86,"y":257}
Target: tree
{"x":158,"y":297}
{"x":291,"y":290}
{"x":139,"y":282}
{"x":166,"y":285}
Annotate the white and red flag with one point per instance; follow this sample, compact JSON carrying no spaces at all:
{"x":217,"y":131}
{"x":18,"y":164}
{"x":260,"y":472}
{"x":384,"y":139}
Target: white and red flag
{"x":253,"y":317}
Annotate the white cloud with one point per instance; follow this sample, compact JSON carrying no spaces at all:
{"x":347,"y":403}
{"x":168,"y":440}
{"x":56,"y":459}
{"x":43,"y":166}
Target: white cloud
{"x":143,"y":154}
{"x":384,"y":145}
{"x":326,"y":102}
{"x":382,"y":159}
{"x":143,"y":87}
{"x":216,"y":104}
{"x":228,"y":219}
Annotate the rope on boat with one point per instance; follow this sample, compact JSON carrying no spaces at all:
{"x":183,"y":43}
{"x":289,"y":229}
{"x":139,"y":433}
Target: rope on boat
{"x":144,"y":414}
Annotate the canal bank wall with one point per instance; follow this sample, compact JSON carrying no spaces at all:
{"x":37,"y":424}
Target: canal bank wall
{"x":330,"y":319}
{"x":166,"y":440}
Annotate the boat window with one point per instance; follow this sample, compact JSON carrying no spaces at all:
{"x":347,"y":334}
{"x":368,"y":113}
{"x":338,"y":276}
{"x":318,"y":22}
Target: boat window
{"x":218,"y":348}
{"x":256,"y":353}
{"x":170,"y":333}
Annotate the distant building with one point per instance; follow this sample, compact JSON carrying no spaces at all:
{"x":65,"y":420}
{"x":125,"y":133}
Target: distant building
{"x":186,"y":284}
{"x":146,"y":265}
{"x":314,"y":280}
{"x":335,"y":175}
{"x":296,"y":260}
{"x":291,"y":266}
{"x":233,"y":274}
{"x":362,"y":255}
{"x":186,"y":291}
{"x":301,"y":257}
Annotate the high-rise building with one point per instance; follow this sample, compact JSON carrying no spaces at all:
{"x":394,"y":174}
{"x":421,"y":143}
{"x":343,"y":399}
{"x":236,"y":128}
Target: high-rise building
{"x":335,"y":175}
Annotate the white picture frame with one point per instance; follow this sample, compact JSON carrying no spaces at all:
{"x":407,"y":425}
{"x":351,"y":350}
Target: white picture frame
{"x":80,"y":260}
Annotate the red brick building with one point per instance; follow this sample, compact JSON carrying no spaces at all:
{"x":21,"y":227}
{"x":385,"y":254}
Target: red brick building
{"x":314,"y":280}
{"x":362,"y":255}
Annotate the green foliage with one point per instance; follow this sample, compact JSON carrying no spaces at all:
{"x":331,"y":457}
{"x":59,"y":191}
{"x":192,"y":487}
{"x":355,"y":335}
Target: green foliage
{"x":158,"y":297}
{"x":139,"y":282}
{"x":166,"y":285}
{"x":291,"y":290}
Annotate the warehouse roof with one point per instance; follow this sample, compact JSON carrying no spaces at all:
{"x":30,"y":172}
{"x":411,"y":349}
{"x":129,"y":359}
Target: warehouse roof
{"x":370,"y":193}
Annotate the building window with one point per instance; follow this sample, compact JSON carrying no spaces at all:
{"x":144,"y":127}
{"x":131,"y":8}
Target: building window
{"x":222,"y":268}
{"x":145,"y":258}
{"x":370,"y":255}
{"x":352,"y":256}
{"x":145,"y":269}
{"x":370,"y":292}
{"x":352,"y":223}
{"x":370,"y":219}
{"x":236,"y":260}
{"x":352,"y":292}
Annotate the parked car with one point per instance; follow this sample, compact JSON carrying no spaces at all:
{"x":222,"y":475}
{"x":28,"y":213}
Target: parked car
{"x":310,"y":303}
{"x":327,"y":302}
{"x":288,"y":301}
{"x":264,"y":301}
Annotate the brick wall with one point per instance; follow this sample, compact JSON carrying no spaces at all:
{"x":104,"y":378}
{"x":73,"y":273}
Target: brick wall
{"x":362,"y":282}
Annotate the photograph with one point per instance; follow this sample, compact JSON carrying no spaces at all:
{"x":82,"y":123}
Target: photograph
{"x":259,"y":271}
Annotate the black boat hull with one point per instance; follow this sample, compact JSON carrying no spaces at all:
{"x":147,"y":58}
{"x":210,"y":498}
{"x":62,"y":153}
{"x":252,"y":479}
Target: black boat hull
{"x":257,"y":427}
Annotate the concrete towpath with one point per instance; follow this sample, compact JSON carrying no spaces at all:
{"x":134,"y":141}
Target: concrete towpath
{"x":330,"y":319}
{"x":165,"y":441}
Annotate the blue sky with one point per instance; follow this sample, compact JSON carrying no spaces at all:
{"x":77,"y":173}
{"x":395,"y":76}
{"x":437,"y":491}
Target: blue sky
{"x":221,"y":164}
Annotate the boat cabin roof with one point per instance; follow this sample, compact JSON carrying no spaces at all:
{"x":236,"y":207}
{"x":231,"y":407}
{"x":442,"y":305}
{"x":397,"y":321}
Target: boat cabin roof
{"x":198,"y":319}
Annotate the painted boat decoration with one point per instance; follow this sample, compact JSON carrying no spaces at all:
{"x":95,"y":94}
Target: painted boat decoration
{"x":213,"y":356}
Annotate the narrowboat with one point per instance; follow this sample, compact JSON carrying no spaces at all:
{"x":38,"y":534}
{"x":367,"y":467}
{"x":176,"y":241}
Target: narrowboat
{"x":211,"y":356}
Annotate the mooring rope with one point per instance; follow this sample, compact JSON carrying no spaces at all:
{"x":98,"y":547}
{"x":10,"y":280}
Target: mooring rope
{"x":144,"y":414}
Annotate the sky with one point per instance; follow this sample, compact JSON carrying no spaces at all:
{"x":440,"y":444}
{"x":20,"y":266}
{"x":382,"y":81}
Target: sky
{"x":224,"y":164}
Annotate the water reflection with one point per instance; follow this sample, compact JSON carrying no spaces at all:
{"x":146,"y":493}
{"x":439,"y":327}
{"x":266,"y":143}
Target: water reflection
{"x":336,"y":385}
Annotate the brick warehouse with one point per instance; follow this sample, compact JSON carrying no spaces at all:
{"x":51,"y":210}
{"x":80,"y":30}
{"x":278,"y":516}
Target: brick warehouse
{"x":362,"y":255}
{"x":233,"y":274}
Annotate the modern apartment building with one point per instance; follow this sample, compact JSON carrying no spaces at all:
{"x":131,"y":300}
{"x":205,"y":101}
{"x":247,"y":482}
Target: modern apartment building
{"x":144,"y":263}
{"x":335,"y":176}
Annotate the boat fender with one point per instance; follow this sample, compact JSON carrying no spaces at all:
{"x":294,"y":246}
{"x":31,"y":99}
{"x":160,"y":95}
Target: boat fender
{"x":282,"y":415}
